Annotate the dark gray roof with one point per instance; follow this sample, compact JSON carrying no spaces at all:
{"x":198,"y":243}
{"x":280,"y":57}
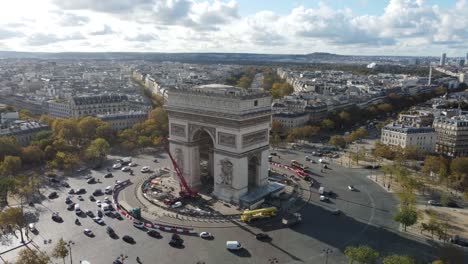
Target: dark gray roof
{"x":99,"y":99}
{"x":408,"y":129}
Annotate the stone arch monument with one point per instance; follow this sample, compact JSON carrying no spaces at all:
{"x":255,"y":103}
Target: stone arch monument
{"x":232,"y":126}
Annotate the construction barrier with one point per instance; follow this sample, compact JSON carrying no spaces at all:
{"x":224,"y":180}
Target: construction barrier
{"x":126,"y":214}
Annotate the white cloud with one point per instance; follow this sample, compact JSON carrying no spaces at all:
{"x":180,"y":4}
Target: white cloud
{"x":403,"y":27}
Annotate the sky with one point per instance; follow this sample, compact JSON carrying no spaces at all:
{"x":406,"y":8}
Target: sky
{"x":360,"y":27}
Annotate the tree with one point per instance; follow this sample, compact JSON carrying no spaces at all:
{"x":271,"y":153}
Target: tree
{"x":407,"y":216}
{"x":25,"y":114}
{"x":345,"y":117}
{"x":337,"y":141}
{"x":413,"y":153}
{"x":97,"y":149}
{"x":105,"y":131}
{"x":161,"y":120}
{"x":327,"y":125}
{"x":64,"y":160}
{"x":407,"y":197}
{"x":9,"y":146}
{"x":459,"y":173}
{"x":144,"y":141}
{"x":398,"y":259}
{"x":385,"y":108}
{"x":361,"y":254}
{"x":276,"y":127}
{"x":13,"y":216}
{"x":31,"y":256}
{"x":10,"y":165}
{"x":275,"y":140}
{"x":60,"y":250}
{"x":383,"y":151}
{"x":361,"y":133}
{"x":435,"y":164}
{"x":32,"y":155}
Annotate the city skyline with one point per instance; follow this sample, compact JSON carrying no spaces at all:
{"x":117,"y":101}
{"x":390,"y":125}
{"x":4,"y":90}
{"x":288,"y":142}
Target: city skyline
{"x":395,"y":27}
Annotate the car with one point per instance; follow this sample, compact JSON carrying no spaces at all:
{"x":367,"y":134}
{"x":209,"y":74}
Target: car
{"x":98,"y":220}
{"x":307,"y":158}
{"x":71,"y":206}
{"x":53,"y":180}
{"x":335,"y":211}
{"x":108,"y":175}
{"x":453,"y":204}
{"x":110,"y":231}
{"x":132,"y":164}
{"x":80,"y":191}
{"x":126,"y":168}
{"x":87,"y":177}
{"x":177,"y":204}
{"x":108,"y":190}
{"x":153,"y":233}
{"x":81,"y":169}
{"x":176,"y":242}
{"x":262,"y":236}
{"x":117,"y":215}
{"x":53,"y":195}
{"x":461,"y":241}
{"x":90,"y":213}
{"x":138,"y":224}
{"x":273,"y":154}
{"x":106,"y":199}
{"x":145,"y":169}
{"x":351,"y":188}
{"x":323,"y":198}
{"x":128,"y":239}
{"x":56,"y":217}
{"x":117,"y":166}
{"x":205,"y":235}
{"x":434,"y":203}
{"x":32,"y":227}
{"x":80,"y":198}
{"x":91,"y":180}
{"x":176,"y":237}
{"x":88,"y":232}
{"x":97,"y":192}
{"x":98,"y":203}
{"x":99,"y":213}
{"x":91,"y":198}
{"x":68,"y":200}
{"x":117,"y":182}
{"x":65,"y":184}
{"x":71,"y":191}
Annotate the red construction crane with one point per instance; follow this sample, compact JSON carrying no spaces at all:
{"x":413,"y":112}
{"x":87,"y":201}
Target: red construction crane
{"x":186,"y":191}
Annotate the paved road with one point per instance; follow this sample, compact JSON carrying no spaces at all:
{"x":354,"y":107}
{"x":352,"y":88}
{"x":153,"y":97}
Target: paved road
{"x":366,"y":219}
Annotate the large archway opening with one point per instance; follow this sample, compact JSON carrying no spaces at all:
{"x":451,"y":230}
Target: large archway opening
{"x":253,"y":168}
{"x":206,"y":159}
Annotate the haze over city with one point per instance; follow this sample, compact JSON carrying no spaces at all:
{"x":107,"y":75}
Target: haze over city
{"x":395,"y":27}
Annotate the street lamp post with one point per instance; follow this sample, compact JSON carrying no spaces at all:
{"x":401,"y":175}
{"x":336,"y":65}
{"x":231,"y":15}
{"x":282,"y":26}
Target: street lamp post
{"x":327,"y":251}
{"x":69,"y":245}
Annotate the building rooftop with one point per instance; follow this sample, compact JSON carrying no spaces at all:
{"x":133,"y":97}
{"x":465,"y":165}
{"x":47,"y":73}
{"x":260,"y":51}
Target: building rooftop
{"x":99,"y":99}
{"x":459,"y":120}
{"x":407,"y":129}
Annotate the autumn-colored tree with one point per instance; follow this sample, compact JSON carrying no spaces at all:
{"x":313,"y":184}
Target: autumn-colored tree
{"x":32,"y":155}
{"x":60,"y":250}
{"x":10,"y":165}
{"x":337,"y":141}
{"x":97,"y":150}
{"x":398,"y":259}
{"x":459,"y":173}
{"x":31,"y":256}
{"x":64,"y":161}
{"x":276,"y":127}
{"x":327,"y":125}
{"x":13,"y":216}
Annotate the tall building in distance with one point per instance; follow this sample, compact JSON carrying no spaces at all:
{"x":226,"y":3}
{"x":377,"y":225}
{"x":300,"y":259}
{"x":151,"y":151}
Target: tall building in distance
{"x":466,"y":59}
{"x":443,"y":59}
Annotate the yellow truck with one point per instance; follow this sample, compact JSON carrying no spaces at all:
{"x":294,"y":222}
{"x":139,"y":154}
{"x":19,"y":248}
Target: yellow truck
{"x":249,"y":215}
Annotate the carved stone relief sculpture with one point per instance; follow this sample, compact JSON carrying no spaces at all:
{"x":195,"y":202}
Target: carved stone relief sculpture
{"x":226,"y":172}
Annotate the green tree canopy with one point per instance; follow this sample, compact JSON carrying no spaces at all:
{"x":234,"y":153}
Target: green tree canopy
{"x":9,"y":146}
{"x":398,"y":259}
{"x":32,"y":155}
{"x":361,"y":254}
{"x":407,"y":216}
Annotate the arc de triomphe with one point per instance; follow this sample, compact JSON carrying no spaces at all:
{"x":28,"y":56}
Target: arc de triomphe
{"x":226,"y":130}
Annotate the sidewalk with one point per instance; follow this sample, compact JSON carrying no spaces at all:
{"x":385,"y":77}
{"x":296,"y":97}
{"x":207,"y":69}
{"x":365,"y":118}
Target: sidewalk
{"x":10,"y":242}
{"x":375,"y":179}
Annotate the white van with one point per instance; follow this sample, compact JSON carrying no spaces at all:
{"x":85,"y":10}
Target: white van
{"x":233,"y":245}
{"x":77,"y":209}
{"x":106,"y":208}
{"x":322,"y":190}
{"x":108,"y":190}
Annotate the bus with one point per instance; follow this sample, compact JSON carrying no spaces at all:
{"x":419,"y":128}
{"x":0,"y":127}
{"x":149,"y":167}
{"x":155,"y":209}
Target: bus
{"x":249,"y":215}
